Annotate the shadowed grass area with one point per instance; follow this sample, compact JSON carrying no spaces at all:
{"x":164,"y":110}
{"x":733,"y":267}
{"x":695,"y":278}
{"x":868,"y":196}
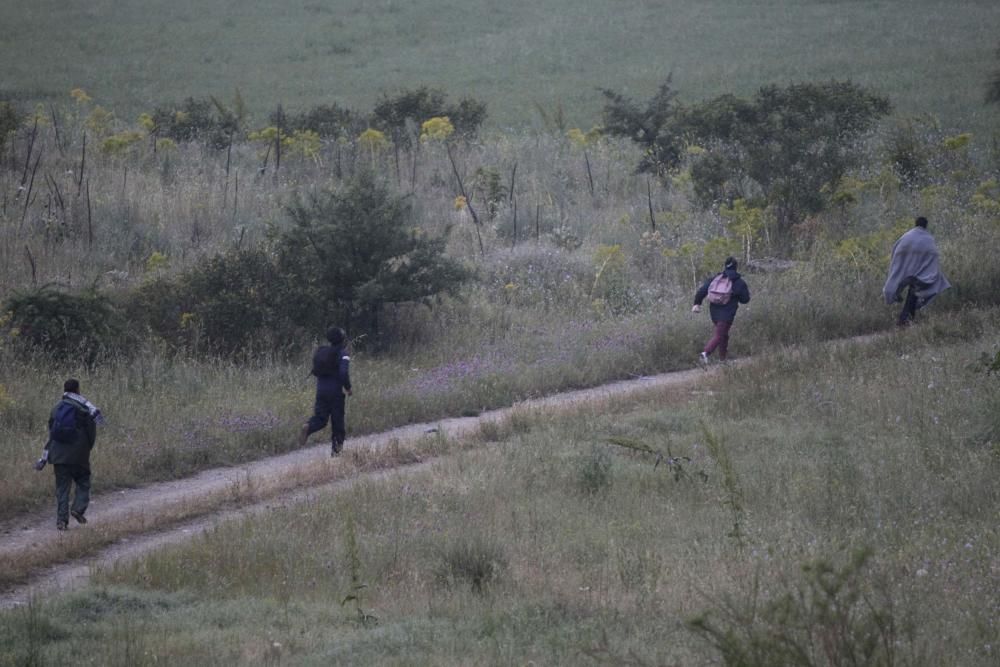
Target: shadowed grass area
{"x":889,"y":446}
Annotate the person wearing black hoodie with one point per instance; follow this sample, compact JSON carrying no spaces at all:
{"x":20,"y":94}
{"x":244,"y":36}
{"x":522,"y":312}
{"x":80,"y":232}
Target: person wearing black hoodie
{"x":722,"y":306}
{"x":331,"y":366}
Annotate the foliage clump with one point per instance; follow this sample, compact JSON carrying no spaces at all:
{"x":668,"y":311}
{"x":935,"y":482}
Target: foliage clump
{"x":787,"y":147}
{"x":347,"y":255}
{"x":84,"y":325}
{"x":392,"y":115}
{"x":828,"y":619}
{"x":200,"y":120}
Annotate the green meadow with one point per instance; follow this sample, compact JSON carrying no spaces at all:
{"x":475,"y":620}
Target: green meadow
{"x":132,"y":55}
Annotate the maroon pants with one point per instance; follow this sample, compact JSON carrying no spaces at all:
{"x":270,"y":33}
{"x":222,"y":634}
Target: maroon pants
{"x":719,"y":339}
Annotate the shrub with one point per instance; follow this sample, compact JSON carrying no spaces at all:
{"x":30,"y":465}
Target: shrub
{"x":329,"y":121}
{"x":391,"y":114}
{"x":477,"y":561}
{"x":199,"y":120}
{"x":10,"y":120}
{"x":594,"y":472}
{"x":829,"y":618}
{"x":226,"y":304}
{"x":84,"y":323}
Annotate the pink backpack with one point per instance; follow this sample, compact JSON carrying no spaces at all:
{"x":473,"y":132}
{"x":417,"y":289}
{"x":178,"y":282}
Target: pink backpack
{"x":720,"y":290}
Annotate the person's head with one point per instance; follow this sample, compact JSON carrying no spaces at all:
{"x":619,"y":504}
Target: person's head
{"x":336,"y":335}
{"x":921,"y":222}
{"x":71,"y":386}
{"x":730,"y":264}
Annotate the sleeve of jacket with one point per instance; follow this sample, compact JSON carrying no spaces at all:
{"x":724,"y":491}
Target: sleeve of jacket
{"x":702,"y":292}
{"x":90,"y":429}
{"x":345,"y":370}
{"x":48,"y":430}
{"x":743,"y":293}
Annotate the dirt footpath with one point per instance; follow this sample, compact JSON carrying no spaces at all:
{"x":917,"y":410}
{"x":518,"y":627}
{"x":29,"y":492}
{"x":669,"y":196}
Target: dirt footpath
{"x":145,"y":510}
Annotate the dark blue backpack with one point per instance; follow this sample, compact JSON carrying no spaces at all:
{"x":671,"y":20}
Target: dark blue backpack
{"x":63,"y":427}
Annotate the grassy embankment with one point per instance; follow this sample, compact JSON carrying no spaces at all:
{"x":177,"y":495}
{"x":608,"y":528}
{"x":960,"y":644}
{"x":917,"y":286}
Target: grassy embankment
{"x":545,"y":543}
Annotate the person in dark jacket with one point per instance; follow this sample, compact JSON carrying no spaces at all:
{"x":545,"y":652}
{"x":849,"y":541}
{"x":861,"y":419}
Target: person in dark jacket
{"x":331,"y":366}
{"x":722,"y":314}
{"x":70,"y":454}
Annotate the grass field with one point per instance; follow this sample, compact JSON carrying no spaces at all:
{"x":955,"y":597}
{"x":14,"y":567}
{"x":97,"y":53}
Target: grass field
{"x":132,"y":55}
{"x":544,"y":543}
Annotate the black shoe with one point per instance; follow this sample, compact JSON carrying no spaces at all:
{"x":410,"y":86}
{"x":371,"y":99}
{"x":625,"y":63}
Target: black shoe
{"x":78,"y":516}
{"x":336,"y":448}
{"x":61,"y":525}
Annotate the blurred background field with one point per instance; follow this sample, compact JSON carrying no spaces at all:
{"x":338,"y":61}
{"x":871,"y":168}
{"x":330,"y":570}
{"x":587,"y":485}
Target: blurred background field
{"x":132,"y":55}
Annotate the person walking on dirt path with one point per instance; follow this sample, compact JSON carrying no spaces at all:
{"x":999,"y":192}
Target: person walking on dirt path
{"x":915,"y":264}
{"x":331,"y":366}
{"x":72,"y":434}
{"x":725,"y":292}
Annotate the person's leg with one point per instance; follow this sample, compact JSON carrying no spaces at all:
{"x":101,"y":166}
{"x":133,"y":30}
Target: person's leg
{"x":63,"y":480}
{"x":81,"y":498}
{"x":909,"y":305}
{"x":338,"y":425}
{"x":321,"y":414}
{"x":722,"y":331}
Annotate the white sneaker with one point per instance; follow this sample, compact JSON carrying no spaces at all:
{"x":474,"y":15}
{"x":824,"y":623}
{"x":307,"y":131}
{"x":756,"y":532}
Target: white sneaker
{"x":703,"y":358}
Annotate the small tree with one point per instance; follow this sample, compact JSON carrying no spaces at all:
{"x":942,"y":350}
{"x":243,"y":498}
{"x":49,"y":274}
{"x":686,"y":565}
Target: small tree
{"x":654,"y":127}
{"x":793,"y":144}
{"x":354,"y":251}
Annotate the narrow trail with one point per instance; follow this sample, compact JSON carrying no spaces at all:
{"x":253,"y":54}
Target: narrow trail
{"x":140,"y":508}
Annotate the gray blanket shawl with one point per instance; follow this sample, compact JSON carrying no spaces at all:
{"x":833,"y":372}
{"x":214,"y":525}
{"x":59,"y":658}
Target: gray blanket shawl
{"x":915,"y":255}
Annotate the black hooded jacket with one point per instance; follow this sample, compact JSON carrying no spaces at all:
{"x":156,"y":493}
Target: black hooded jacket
{"x":725,"y":312}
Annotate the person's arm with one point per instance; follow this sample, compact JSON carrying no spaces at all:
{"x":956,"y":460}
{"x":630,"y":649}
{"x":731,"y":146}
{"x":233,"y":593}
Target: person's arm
{"x":744,"y":293}
{"x":90,"y":429}
{"x":700,"y":295}
{"x":345,"y":372}
{"x":44,"y":458}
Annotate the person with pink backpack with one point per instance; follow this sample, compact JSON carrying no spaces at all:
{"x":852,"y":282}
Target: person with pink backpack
{"x":725,"y":292}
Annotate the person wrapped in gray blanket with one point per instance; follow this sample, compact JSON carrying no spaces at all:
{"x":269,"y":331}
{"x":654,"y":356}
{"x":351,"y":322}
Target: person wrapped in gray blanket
{"x":915,"y":266}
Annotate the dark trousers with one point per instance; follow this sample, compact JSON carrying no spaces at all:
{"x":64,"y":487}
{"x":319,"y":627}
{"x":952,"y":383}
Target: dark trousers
{"x":329,"y":407}
{"x":911,"y":302}
{"x":719,"y":339}
{"x":66,"y":476}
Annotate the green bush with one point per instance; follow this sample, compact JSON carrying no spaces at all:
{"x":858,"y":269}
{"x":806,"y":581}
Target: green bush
{"x":227,"y":304}
{"x":477,"y":561}
{"x":199,"y":120}
{"x":329,"y":121}
{"x":391,"y":114}
{"x":828,"y":619}
{"x":83,"y":324}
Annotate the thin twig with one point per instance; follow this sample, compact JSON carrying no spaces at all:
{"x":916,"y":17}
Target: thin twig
{"x":468,"y":202}
{"x":649,"y":199}
{"x":90,"y":220}
{"x":31,"y":185}
{"x":55,"y":126}
{"x":590,"y":176}
{"x":31,"y":147}
{"x":83,"y":163}
{"x":31,"y":262}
